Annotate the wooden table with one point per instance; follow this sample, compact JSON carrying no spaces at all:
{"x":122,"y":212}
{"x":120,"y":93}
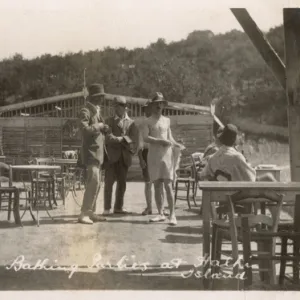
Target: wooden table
{"x":214,"y":191}
{"x":274,"y":171}
{"x":32,"y":168}
{"x":64,"y":162}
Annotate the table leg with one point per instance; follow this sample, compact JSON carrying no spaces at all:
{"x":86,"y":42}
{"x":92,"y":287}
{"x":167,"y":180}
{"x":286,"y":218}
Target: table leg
{"x":37,"y":199}
{"x":31,"y":211}
{"x":10,"y":176}
{"x":206,"y":235}
{"x":53,"y":187}
{"x":16,"y":207}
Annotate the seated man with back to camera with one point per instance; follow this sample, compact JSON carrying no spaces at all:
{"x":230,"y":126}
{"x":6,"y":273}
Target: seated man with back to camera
{"x":230,"y":161}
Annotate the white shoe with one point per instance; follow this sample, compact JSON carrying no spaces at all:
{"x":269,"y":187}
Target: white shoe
{"x":106,"y":212}
{"x":85,"y":220}
{"x":172,"y":221}
{"x":159,"y":218}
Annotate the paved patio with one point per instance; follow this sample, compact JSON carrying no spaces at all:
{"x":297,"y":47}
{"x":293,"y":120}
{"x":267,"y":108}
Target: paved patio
{"x":122,"y":246}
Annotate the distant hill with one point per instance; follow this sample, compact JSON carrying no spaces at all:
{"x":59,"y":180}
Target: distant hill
{"x":194,"y":70}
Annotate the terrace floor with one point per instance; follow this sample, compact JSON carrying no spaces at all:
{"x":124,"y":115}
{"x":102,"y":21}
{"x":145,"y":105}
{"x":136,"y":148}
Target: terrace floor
{"x":124,"y":241}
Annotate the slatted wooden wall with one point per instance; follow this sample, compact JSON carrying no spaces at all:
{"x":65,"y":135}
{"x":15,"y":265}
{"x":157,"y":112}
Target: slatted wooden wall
{"x":13,"y":140}
{"x":25,"y":137}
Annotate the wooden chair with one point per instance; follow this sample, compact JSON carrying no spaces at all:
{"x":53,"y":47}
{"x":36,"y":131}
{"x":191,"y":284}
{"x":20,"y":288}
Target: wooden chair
{"x":197,"y":166}
{"x":66,"y":178}
{"x":12,"y":195}
{"x":222,"y":208}
{"x":284,"y":256}
{"x":187,"y":180}
{"x":46,"y":181}
{"x":231,"y":229}
{"x":7,"y":197}
{"x":289,"y":235}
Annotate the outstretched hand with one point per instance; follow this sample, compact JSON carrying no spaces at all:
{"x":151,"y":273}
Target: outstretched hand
{"x":181,"y":146}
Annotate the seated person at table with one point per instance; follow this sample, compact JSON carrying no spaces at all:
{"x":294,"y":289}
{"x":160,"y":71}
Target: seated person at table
{"x":213,"y":147}
{"x":230,"y":161}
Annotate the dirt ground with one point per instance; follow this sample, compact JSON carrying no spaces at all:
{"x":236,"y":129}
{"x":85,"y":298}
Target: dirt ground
{"x":126,"y":252}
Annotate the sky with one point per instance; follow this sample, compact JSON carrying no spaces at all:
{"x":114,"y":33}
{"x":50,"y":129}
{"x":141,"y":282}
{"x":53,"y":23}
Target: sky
{"x":36,"y":27}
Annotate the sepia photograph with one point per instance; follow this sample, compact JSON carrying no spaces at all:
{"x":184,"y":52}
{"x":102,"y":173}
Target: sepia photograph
{"x":150,"y":146}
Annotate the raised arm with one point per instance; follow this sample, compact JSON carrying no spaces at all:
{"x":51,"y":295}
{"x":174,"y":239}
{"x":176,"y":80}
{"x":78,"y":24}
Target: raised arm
{"x":245,"y":168}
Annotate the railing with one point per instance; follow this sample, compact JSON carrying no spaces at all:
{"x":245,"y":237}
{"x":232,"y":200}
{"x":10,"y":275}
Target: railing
{"x":69,"y":105}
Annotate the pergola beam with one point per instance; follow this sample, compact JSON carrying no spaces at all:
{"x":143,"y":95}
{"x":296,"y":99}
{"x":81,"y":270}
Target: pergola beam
{"x":261,"y":44}
{"x":291,"y":21}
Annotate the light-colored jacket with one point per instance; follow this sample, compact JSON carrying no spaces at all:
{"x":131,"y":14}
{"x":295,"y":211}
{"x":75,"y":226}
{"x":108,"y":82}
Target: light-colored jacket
{"x":230,"y":161}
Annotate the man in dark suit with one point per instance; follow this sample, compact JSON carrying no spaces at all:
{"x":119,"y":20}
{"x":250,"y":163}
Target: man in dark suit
{"x":121,"y":145}
{"x":93,"y":129}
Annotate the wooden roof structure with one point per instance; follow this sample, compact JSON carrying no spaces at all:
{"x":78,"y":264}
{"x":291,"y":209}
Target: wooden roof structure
{"x":49,"y":126}
{"x":68,"y":106}
{"x":287,"y":73}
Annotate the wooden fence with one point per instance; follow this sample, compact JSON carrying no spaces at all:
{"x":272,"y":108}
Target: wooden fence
{"x":68,"y":106}
{"x":23,"y":138}
{"x":46,"y":127}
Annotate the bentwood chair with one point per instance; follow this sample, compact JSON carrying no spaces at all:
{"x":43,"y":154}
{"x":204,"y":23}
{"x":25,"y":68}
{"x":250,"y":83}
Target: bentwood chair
{"x":187,"y":180}
{"x":46,"y":182}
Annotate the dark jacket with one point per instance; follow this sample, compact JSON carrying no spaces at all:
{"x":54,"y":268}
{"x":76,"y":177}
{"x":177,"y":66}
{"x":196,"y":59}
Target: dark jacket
{"x":92,"y":149}
{"x":127,"y":148}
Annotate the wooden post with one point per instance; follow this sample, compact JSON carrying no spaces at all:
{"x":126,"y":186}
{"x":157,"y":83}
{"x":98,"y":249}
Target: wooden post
{"x":74,"y":115}
{"x":291,"y":21}
{"x":61,"y":136}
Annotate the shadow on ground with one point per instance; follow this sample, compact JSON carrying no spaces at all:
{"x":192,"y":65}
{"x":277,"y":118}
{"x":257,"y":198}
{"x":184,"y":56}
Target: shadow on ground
{"x":183,"y":239}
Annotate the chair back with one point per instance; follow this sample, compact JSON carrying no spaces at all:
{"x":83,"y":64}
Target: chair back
{"x":196,"y":159}
{"x":249,"y":199}
{"x":261,"y":229}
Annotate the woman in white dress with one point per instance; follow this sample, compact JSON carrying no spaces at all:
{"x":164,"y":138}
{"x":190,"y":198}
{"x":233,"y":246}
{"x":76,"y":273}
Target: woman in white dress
{"x":161,"y":164}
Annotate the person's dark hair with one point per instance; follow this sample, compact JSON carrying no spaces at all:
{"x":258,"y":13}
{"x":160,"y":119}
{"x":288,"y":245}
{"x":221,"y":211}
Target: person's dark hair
{"x":229,"y":134}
